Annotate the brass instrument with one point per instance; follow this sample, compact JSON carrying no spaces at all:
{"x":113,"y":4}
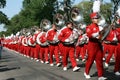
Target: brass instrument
{"x":45,"y":25}
{"x":107,"y":28}
{"x":59,"y":19}
{"x":76,"y":15}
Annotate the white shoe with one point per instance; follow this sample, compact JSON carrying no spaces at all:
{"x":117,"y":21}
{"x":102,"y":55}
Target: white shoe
{"x":77,"y":59}
{"x":28,"y":57}
{"x":51,"y":64}
{"x":111,"y":59}
{"x":60,"y":57}
{"x":37,"y":60}
{"x":95,"y":62}
{"x":46,"y":62}
{"x":87,"y":76}
{"x":42,"y":61}
{"x":64,"y":68}
{"x":83,"y":60}
{"x":76,"y":68}
{"x":58,"y":64}
{"x":117,"y":73}
{"x":31,"y":58}
{"x":103,"y":59}
{"x":106,"y":65}
{"x":102,"y":78}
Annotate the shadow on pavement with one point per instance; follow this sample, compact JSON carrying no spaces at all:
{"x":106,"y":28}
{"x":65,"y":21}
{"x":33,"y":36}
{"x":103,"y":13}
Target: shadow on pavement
{"x":51,"y":75}
{"x":7,"y":57}
{"x":109,"y":75}
{"x":3,"y":66}
{"x":10,"y":79}
{"x":8,"y":69}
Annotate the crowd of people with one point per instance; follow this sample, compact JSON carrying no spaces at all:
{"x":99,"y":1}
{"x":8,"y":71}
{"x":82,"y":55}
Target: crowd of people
{"x":51,"y":44}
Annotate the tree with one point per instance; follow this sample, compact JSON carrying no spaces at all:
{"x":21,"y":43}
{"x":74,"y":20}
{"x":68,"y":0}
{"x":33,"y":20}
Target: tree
{"x":86,"y":9}
{"x":2,"y":3}
{"x":32,"y":13}
{"x":106,"y":11}
{"x":116,"y":3}
{"x":3,"y":17}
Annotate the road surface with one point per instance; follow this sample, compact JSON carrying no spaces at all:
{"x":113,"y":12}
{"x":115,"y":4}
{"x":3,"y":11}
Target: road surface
{"x":13,"y":66}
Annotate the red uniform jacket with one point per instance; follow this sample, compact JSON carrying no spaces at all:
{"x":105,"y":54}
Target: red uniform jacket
{"x":41,"y":39}
{"x":112,"y":36}
{"x":68,"y":35}
{"x":92,"y":29}
{"x":52,"y":36}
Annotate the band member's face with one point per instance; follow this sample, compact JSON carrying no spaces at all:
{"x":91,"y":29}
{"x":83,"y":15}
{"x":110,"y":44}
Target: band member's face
{"x":95,"y":20}
{"x":70,"y":25}
{"x":113,"y":27}
{"x":54,"y":26}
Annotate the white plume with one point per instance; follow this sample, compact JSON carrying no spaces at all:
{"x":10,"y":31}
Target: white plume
{"x":17,"y":34}
{"x":96,"y":6}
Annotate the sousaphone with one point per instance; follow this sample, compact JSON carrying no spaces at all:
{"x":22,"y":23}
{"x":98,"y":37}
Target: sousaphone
{"x":59,"y":20}
{"x":45,"y":25}
{"x":76,"y":15}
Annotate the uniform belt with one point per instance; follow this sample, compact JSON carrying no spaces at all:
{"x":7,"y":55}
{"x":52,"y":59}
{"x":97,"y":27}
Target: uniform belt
{"x":93,"y":40}
{"x":68,"y":44}
{"x":53,"y":43}
{"x":43,"y":45}
{"x":111,"y":42}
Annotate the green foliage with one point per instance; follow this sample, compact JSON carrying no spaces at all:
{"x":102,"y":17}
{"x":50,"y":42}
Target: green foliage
{"x":32,"y":13}
{"x":3,"y":18}
{"x":106,"y":11}
{"x":116,"y":3}
{"x":86,"y":9}
{"x":2,"y":3}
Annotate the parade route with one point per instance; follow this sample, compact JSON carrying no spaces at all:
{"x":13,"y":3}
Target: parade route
{"x":13,"y":66}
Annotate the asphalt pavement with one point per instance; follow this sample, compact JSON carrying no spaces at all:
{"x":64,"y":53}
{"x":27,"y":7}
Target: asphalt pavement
{"x":14,"y":66}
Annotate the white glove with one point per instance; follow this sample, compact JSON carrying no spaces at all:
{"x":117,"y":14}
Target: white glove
{"x":100,"y":28}
{"x":95,"y":34}
{"x":67,"y":40}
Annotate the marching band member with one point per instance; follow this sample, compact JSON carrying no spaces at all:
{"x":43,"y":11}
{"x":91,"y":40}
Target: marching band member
{"x":20,"y":48}
{"x":31,"y":44}
{"x":35,"y":31}
{"x":37,"y":47}
{"x":117,"y":57}
{"x":67,"y":37}
{"x":52,"y":37}
{"x":42,"y":41}
{"x":111,"y":43}
{"x":81,"y":46}
{"x":25,"y":45}
{"x":1,"y":46}
{"x":94,"y":47}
